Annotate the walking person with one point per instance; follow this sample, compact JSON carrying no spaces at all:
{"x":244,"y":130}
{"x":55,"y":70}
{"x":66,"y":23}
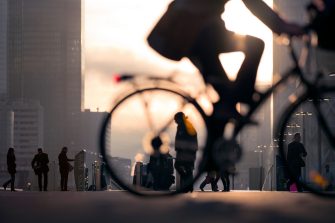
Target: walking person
{"x":40,"y":166}
{"x":295,"y":152}
{"x":186,"y":146}
{"x":64,"y":168}
{"x":11,"y":168}
{"x":329,"y":176}
{"x":210,"y":179}
{"x":224,"y":175}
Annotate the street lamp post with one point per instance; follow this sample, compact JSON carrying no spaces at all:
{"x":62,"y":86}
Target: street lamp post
{"x":260,"y":150}
{"x":273,"y":147}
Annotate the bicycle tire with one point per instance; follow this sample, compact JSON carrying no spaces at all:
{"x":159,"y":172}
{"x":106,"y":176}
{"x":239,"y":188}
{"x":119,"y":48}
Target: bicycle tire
{"x":107,"y":132}
{"x":316,"y":182}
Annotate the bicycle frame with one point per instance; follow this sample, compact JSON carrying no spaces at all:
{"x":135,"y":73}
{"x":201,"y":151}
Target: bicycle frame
{"x":152,"y":83}
{"x":295,"y":71}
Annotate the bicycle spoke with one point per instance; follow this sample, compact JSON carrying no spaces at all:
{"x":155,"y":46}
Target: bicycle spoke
{"x":148,"y":116}
{"x":139,"y":159}
{"x":171,"y":120}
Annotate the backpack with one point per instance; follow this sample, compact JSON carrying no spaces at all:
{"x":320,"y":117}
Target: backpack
{"x":175,"y":33}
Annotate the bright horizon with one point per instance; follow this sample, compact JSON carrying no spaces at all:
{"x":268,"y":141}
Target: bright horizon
{"x":115,"y":41}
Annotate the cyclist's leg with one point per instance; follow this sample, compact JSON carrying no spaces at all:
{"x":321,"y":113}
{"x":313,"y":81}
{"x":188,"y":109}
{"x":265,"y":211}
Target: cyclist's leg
{"x":225,"y":180}
{"x":216,"y":39}
{"x":205,"y":56}
{"x":253,"y":49}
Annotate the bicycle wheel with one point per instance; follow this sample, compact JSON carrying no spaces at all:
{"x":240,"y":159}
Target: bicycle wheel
{"x":137,"y":140}
{"x":314,"y":118}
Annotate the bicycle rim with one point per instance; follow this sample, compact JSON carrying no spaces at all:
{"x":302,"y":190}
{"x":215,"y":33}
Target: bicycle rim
{"x":314,"y":118}
{"x":137,"y":141}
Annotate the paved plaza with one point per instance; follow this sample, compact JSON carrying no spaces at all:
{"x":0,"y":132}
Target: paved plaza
{"x":120,"y":206}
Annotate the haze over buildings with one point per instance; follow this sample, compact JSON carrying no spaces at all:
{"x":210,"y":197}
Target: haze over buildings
{"x":41,"y":69}
{"x":44,"y":63}
{"x":3,"y":48}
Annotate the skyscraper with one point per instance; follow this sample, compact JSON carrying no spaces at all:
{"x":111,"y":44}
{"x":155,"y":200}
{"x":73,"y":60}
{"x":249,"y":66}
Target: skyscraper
{"x":21,"y":127}
{"x":3,"y":48}
{"x":44,"y":51}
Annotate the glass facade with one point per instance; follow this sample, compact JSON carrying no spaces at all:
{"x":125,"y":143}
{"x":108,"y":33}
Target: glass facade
{"x":44,"y":63}
{"x":3,"y":48}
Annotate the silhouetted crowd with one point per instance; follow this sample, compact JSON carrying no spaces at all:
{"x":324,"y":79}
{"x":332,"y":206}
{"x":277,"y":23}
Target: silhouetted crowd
{"x":41,"y":168}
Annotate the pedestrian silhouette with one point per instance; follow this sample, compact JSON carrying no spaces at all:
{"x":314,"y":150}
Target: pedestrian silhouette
{"x":160,"y":167}
{"x":186,"y":146}
{"x":330,"y":178}
{"x":64,"y":168}
{"x":224,"y":176}
{"x":11,"y":168}
{"x":40,"y":166}
{"x":295,"y":152}
{"x":210,"y":179}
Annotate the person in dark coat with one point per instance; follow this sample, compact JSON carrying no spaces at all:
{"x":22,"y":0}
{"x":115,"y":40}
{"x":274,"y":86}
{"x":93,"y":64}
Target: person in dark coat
{"x":186,"y":146}
{"x":11,"y":168}
{"x":40,"y":166}
{"x":210,"y":179}
{"x":224,"y":175}
{"x":64,"y":168}
{"x":160,"y":167}
{"x":295,"y":152}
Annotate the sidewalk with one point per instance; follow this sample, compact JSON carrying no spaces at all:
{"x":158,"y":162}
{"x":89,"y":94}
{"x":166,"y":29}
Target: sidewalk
{"x":8,"y":189}
{"x":116,"y":206}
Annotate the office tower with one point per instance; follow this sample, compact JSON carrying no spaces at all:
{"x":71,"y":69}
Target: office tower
{"x":90,"y":132}
{"x":27,"y":137}
{"x":6,"y":134}
{"x":44,"y":52}
{"x":3,"y":48}
{"x":21,"y":127}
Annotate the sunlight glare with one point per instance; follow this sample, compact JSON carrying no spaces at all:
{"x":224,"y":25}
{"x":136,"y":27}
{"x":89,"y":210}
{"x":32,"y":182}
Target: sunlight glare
{"x":120,"y":28}
{"x":240,"y":20}
{"x":232,"y":63}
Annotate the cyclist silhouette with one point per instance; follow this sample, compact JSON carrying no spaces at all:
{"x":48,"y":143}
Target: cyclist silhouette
{"x":194,"y":29}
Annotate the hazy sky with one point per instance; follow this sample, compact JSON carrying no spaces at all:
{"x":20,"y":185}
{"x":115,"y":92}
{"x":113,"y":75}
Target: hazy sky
{"x":115,"y":41}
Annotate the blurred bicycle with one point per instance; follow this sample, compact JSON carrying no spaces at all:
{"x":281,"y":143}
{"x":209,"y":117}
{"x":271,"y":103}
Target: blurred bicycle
{"x":144,"y":115}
